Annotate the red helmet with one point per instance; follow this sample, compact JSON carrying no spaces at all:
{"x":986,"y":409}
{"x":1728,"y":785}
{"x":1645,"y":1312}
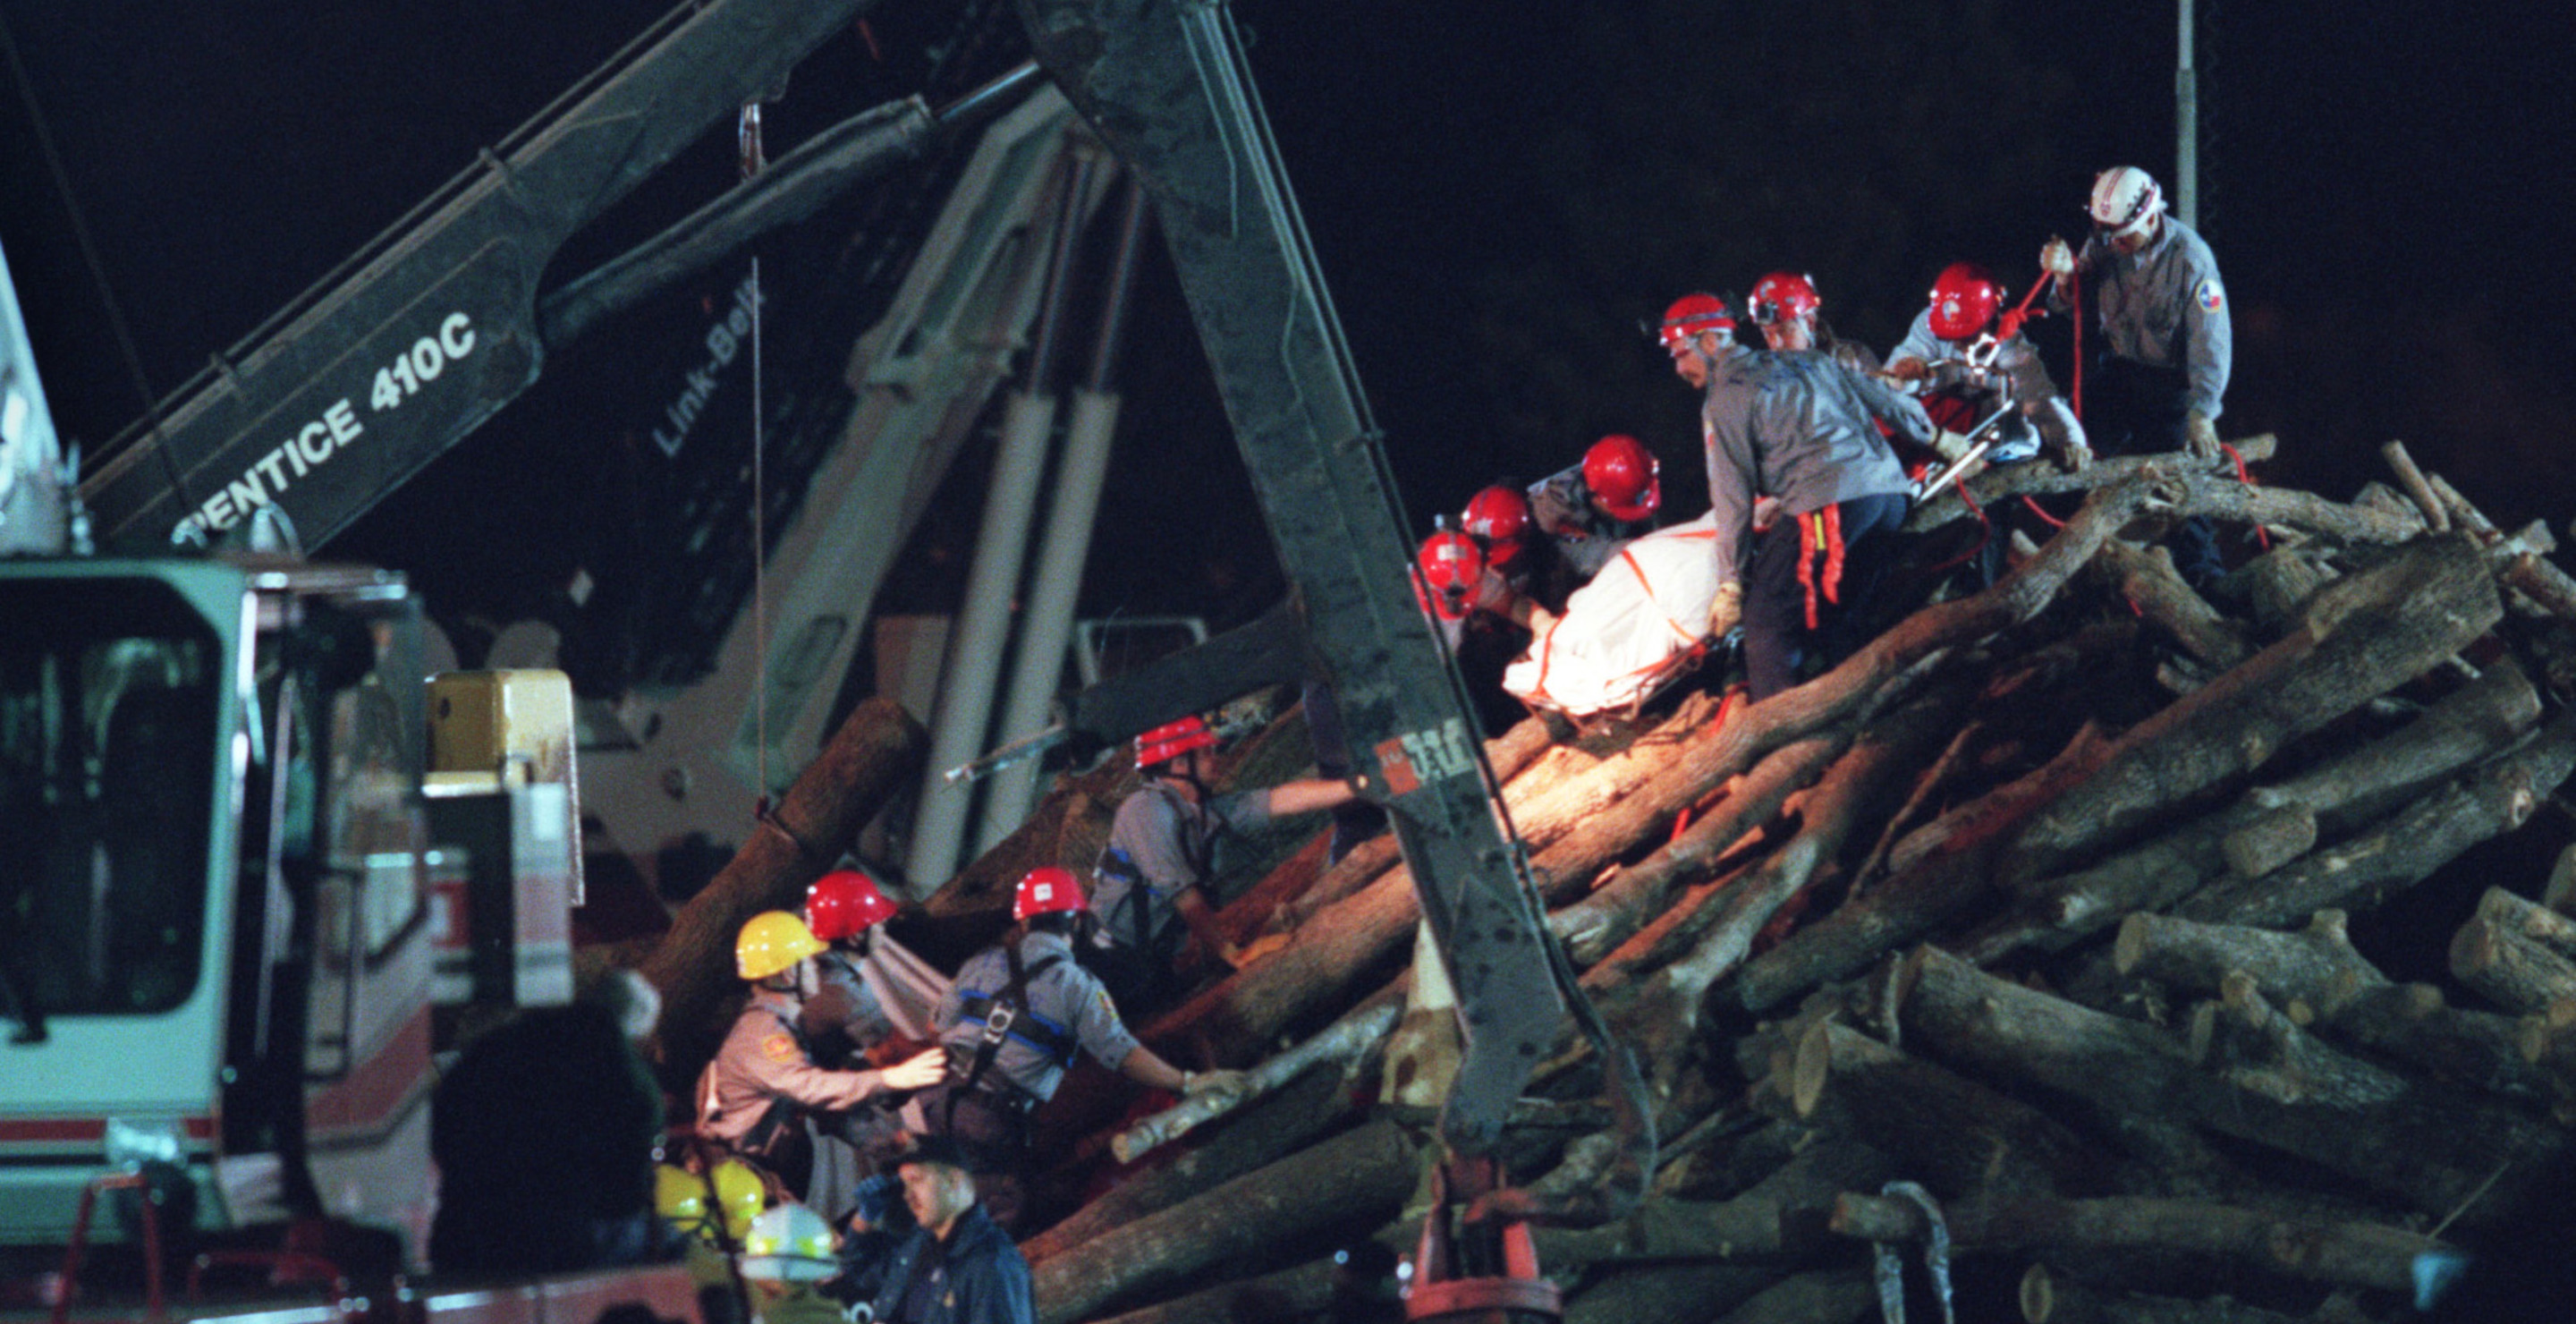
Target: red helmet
{"x":1450,"y":563}
{"x":1173,"y":739}
{"x":844,"y":904}
{"x":1964,"y":301}
{"x":1782,"y":296}
{"x":1498,"y":517}
{"x":1624,"y":476}
{"x":1045,"y":891}
{"x":1692,"y":314}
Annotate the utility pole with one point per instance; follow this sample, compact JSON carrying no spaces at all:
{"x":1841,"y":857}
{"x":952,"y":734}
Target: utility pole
{"x":2186,"y":127}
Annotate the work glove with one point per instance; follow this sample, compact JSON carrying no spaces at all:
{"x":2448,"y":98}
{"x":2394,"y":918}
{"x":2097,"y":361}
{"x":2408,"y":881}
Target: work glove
{"x":1765,"y":511}
{"x":2056,"y":258}
{"x":2075,"y":457}
{"x":2200,"y":436}
{"x":1908,"y":369}
{"x":1952,"y":447}
{"x":1220,"y":1083}
{"x":1726,"y":609}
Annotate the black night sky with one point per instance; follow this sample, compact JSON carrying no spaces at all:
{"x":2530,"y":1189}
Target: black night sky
{"x":1498,"y":193}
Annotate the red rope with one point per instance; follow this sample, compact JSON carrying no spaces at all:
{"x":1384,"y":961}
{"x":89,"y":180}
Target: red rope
{"x":2051,"y":520}
{"x":2075,"y":314}
{"x":1985,"y":532}
{"x":2261,"y":534}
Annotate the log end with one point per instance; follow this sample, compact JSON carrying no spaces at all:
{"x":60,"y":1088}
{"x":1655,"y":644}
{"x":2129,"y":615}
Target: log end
{"x":2130,"y":947}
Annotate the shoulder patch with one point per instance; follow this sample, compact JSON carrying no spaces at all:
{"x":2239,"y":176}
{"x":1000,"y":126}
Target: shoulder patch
{"x":779,"y":1048}
{"x":2210,"y":295}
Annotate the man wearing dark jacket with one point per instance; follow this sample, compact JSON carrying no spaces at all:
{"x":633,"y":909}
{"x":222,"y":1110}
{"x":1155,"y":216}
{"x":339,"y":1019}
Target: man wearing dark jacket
{"x":957,"y":1267}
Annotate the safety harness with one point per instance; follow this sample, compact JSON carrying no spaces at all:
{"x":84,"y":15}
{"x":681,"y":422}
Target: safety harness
{"x":1005,"y":1014}
{"x":1820,"y":556}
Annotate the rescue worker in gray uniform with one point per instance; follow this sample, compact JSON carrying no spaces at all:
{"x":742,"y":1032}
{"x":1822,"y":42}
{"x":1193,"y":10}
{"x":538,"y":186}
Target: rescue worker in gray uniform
{"x":2159,"y":366}
{"x":1592,"y":509}
{"x":1010,"y":1027}
{"x":1800,"y":427}
{"x":755,"y":1096}
{"x":1790,"y":313}
{"x":843,"y":1020}
{"x":1162,"y":853}
{"x":1963,"y":346}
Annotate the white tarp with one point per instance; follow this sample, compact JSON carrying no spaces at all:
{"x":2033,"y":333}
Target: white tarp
{"x":1623,"y":635}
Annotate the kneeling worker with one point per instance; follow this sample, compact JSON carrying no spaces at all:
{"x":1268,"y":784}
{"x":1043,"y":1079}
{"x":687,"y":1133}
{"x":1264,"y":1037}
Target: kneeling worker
{"x":1162,"y":854}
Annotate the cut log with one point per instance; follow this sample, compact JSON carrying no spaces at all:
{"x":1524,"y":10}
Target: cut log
{"x":2319,"y":980}
{"x":2507,"y":967}
{"x":2410,"y":480}
{"x":1663,"y":1017}
{"x":2279,"y":582}
{"x":2310,"y":972}
{"x":1615,"y":911}
{"x":1783,"y":1215}
{"x":2272,"y":839}
{"x":2432,"y":1147}
{"x":2251,"y":1044}
{"x":1668,"y":1294}
{"x":2344,"y":1254}
{"x":2048,"y":1297}
{"x":1950,"y":1133}
{"x":2362,"y":636}
{"x":2559,"y":894}
{"x":1309,"y":1291}
{"x":1944,"y":883}
{"x":2147,"y":578}
{"x":1997,"y":485}
{"x":1353,"y":1180}
{"x":2466,"y":725}
{"x":2365,"y":871}
{"x":1269,"y":1131}
{"x":874,"y":753}
{"x":2550,"y":929}
{"x":1818,"y":1296}
{"x":1348,"y":1039}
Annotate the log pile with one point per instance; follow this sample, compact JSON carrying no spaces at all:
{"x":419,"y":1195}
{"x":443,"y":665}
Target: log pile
{"x":2137,"y":946}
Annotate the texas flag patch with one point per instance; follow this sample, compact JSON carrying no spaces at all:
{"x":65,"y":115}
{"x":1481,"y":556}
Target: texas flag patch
{"x":2211,"y":297}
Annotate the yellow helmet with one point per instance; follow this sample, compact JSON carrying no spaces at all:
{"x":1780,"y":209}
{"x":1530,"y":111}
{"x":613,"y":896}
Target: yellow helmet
{"x":680,"y":1197}
{"x":771,"y":941}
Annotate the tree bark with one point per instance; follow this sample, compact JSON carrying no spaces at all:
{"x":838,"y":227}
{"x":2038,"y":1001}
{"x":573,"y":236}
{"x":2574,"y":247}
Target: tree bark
{"x":2050,"y":1298}
{"x":2467,"y":724}
{"x":2146,"y":577}
{"x":1668,"y":1294}
{"x":1818,"y":1296}
{"x":876,"y":751}
{"x":2317,"y":977}
{"x":1349,"y":1039}
{"x":2341,"y":1253}
{"x":1954,"y":1135}
{"x":1663,"y":1015}
{"x":2508,"y":967}
{"x":1357,"y":1178}
{"x":2366,"y":870}
{"x":1304,"y":1292}
{"x":1939,"y":885}
{"x":1782,"y":1215}
{"x":2363,"y":636}
{"x":1614,"y":912}
{"x":2431,"y":1147}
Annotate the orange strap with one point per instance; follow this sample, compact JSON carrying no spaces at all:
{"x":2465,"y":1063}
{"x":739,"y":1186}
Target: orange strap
{"x":1821,"y":539}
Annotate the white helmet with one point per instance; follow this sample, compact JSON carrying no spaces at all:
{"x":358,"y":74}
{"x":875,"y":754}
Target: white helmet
{"x":2125,"y":200}
{"x":789,"y":1244}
